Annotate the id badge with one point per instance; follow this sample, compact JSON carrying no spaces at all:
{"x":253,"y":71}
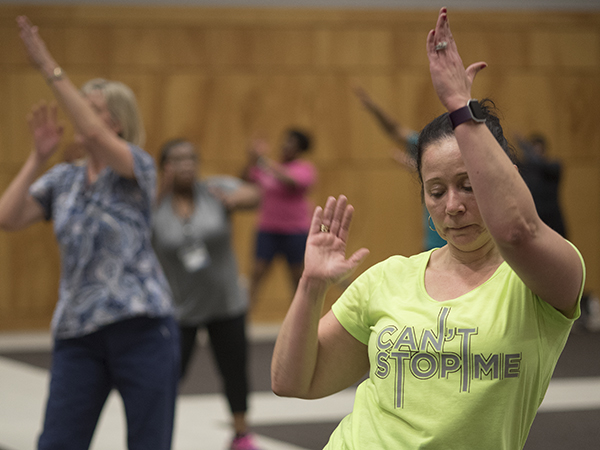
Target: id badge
{"x":194,"y":257}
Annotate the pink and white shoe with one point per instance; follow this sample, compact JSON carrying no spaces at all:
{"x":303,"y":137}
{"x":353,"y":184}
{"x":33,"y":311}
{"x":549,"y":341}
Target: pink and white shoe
{"x":244,"y":442}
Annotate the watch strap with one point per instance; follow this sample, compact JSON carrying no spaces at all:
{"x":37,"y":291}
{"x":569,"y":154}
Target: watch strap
{"x":461,"y":115}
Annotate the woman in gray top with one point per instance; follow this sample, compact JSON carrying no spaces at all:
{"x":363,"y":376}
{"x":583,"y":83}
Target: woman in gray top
{"x":192,"y":238}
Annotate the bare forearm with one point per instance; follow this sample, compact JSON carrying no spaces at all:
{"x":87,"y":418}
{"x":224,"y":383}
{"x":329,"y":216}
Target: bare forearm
{"x":504,"y":200}
{"x":14,"y":212}
{"x":296,"y":350}
{"x":97,"y":137}
{"x":275,"y":169}
{"x":246,"y":197}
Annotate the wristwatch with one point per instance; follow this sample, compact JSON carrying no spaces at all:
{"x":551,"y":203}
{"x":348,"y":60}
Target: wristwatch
{"x":57,"y":74}
{"x":472,"y":111}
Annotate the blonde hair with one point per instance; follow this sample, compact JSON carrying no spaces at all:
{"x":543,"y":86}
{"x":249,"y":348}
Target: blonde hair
{"x":122,"y":105}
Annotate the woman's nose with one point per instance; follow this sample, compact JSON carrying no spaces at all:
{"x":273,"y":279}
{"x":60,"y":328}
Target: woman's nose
{"x":454,"y":203}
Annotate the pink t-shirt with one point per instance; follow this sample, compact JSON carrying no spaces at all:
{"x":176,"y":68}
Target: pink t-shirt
{"x":285,"y":209}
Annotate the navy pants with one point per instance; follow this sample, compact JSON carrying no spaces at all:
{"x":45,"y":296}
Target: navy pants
{"x":139,"y":358}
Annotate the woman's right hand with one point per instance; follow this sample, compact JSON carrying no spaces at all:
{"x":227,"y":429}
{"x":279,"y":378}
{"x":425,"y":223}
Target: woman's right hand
{"x":45,"y":129}
{"x":325,"y":256}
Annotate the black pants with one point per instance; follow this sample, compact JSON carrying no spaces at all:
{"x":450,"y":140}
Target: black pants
{"x":230,"y":351}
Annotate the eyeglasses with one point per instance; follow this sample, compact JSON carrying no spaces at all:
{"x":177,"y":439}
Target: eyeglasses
{"x":181,"y":158}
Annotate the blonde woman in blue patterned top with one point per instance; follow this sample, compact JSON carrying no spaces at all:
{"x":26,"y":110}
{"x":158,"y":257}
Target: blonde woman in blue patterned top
{"x":113,"y":324}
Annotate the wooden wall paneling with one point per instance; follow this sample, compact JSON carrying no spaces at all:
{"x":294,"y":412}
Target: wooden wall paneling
{"x":580,"y":196}
{"x":6,"y":286}
{"x":332,"y":116}
{"x":350,"y":46}
{"x":578,"y":114}
{"x":369,"y":140}
{"x":6,"y":131}
{"x":11,"y":47}
{"x":220,"y":76}
{"x":35,"y":264}
{"x":186,"y":110}
{"x":408,"y":46}
{"x":392,"y":212}
{"x":572,"y":47}
{"x":508,"y":47}
{"x":285,"y":100}
{"x":232,"y":121}
{"x":139,"y":46}
{"x":526,"y":101}
{"x":148,"y":89}
{"x":26,"y":89}
{"x":414,"y":100}
{"x":185,"y":47}
{"x":292,"y":48}
{"x":229,"y":46}
{"x":244,"y":235}
{"x":32,"y":265}
{"x":87,"y":46}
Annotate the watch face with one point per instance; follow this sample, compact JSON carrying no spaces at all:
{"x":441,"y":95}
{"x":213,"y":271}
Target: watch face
{"x":476,"y":111}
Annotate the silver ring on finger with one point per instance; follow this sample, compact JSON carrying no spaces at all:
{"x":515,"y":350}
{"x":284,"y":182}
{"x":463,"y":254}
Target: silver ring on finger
{"x":441,"y":46}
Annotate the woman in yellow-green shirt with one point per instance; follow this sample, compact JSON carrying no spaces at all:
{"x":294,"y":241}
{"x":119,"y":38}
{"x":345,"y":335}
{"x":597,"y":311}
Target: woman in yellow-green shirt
{"x":459,"y":342}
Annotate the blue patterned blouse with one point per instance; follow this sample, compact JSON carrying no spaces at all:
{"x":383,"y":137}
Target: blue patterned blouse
{"x":109,"y":271}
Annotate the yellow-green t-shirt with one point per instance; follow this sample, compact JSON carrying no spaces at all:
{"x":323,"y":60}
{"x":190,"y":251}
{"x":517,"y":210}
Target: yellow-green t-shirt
{"x":467,"y":373}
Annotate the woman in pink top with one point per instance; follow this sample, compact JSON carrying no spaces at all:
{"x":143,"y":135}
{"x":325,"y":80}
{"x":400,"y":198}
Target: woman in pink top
{"x":285,"y":211}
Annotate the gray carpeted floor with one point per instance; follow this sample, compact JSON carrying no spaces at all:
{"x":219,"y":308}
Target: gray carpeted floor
{"x":569,"y":430}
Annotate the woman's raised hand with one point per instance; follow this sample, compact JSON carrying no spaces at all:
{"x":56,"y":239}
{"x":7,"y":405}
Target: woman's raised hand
{"x":451,"y":81}
{"x":45,"y":129}
{"x":36,"y":48}
{"x":325,"y":257}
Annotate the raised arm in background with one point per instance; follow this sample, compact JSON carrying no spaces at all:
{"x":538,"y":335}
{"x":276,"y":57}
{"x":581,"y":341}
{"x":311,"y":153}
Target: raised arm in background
{"x":100,"y":140}
{"x":398,"y":132}
{"x":545,"y":262}
{"x":257,"y":152}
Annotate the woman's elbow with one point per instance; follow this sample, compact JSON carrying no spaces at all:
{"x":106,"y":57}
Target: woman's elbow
{"x":516,"y":234}
{"x":286,"y":391}
{"x":283,"y":387}
{"x":280,"y":391}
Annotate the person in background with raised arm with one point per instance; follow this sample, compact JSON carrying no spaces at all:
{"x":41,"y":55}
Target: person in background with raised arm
{"x":113,"y":326}
{"x":459,"y":342}
{"x":284,"y":216}
{"x":405,"y":155}
{"x":192,"y":236}
{"x":543,"y":176}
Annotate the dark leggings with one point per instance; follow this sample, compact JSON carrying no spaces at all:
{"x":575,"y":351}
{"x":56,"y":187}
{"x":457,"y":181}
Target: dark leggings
{"x":229,"y":347}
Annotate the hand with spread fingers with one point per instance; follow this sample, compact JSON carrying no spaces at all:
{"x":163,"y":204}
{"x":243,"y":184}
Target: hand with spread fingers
{"x":451,"y":81}
{"x":45,"y":128}
{"x":325,"y":256}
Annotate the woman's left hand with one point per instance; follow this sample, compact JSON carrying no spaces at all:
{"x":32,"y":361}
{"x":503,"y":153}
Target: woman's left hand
{"x":451,"y":81}
{"x":47,"y":132}
{"x":36,"y":48}
{"x":325,"y":256}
